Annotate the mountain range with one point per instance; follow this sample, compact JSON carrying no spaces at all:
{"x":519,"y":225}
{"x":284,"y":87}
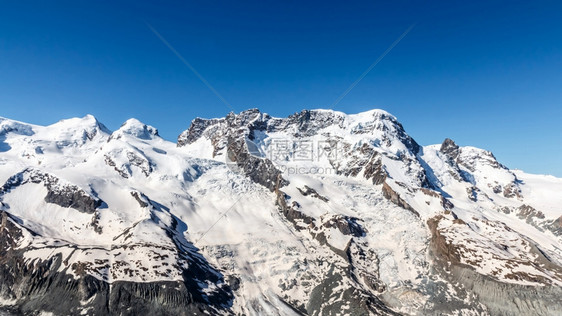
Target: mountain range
{"x":318,"y":213}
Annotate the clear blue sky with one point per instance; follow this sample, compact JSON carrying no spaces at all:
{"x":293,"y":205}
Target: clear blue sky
{"x":484,"y":73}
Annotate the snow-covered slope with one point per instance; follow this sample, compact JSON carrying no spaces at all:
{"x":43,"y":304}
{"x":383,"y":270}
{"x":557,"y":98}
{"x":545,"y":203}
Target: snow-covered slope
{"x":319,"y":213}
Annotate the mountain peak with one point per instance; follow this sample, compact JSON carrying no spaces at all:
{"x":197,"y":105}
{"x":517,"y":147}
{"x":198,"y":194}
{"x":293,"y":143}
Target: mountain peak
{"x":377,"y":127}
{"x":86,"y":119}
{"x":87,"y":123}
{"x":374,"y":114}
{"x":136,"y":129}
{"x":77,"y":130}
{"x":449,"y":148}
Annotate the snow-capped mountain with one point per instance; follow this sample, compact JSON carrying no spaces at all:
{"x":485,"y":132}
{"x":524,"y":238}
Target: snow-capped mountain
{"x":319,"y":213}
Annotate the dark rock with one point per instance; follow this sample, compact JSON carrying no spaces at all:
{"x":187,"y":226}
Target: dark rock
{"x":73,"y":197}
{"x":143,"y":163}
{"x":512,"y":190}
{"x":499,"y":298}
{"x":233,"y":282}
{"x":395,"y":198}
{"x":258,"y":169}
{"x":195,"y":131}
{"x":472,"y":193}
{"x":308,"y":191}
{"x":346,"y":225}
{"x":95,"y":223}
{"x":64,"y":195}
{"x":441,"y":248}
{"x":291,"y":212}
{"x":529,"y":213}
{"x":555,"y":226}
{"x":374,"y":170}
{"x":449,"y":148}
{"x":141,"y":198}
{"x":356,"y":301}
{"x":447,"y":205}
{"x":121,"y":171}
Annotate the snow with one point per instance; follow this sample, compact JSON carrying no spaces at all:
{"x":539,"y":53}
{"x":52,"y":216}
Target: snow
{"x":543,"y":192}
{"x":136,"y":128}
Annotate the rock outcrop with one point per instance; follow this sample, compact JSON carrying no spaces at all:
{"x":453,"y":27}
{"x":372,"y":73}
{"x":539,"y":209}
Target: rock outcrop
{"x":58,"y":192}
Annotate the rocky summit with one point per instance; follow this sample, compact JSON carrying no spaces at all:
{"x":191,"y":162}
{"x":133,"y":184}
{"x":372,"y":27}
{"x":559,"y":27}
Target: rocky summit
{"x":318,"y":213}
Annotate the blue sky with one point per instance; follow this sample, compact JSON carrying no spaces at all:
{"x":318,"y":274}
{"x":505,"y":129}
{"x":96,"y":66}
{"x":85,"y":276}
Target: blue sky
{"x":484,"y":73}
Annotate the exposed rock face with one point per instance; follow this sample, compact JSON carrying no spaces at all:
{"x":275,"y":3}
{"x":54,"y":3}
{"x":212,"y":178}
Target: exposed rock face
{"x":351,"y":162}
{"x":474,"y":159}
{"x":375,"y":170}
{"x":514,"y":298}
{"x":508,"y":299}
{"x":445,"y":203}
{"x":556,"y":226}
{"x":65,"y":195}
{"x":231,"y":134}
{"x":128,"y":162}
{"x":260,"y":170}
{"x":528,"y":213}
{"x":291,"y":211}
{"x":121,"y":171}
{"x":140,"y":162}
{"x":395,"y":198}
{"x":299,"y":125}
{"x":353,"y":301}
{"x":141,"y":198}
{"x":195,"y":131}
{"x":450,"y":148}
{"x":346,"y":225}
{"x":511,"y":190}
{"x":442,"y":249}
{"x":42,"y":285}
{"x":308,"y":191}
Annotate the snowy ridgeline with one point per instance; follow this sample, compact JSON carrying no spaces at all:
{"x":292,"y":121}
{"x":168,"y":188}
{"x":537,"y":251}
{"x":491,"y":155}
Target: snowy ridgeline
{"x":317,"y":213}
